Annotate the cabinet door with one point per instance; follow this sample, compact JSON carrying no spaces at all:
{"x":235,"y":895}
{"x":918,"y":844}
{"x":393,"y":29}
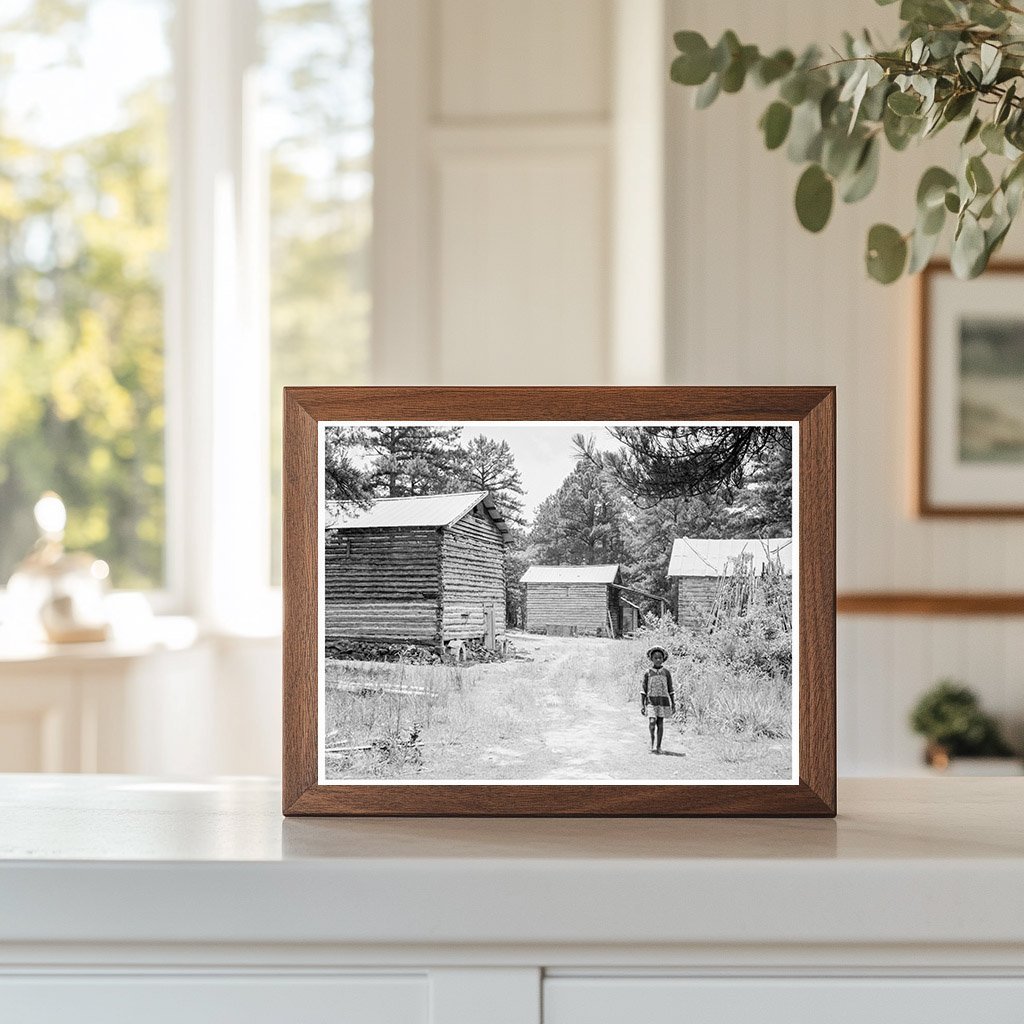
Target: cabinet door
{"x":783,"y":1000}
{"x":202,"y":999}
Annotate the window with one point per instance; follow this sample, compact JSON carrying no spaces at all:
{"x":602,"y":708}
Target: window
{"x":239,"y":217}
{"x":317,"y":118}
{"x":83,"y":236}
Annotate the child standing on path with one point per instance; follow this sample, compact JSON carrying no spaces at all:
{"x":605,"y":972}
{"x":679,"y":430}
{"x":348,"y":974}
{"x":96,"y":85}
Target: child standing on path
{"x":657,"y":698}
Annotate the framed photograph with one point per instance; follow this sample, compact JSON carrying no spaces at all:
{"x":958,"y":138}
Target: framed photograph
{"x":559,"y":601}
{"x":970,"y":445}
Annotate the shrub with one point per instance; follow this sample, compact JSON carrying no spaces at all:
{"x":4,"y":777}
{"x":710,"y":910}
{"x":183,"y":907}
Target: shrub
{"x":735,"y":679}
{"x":950,"y":716}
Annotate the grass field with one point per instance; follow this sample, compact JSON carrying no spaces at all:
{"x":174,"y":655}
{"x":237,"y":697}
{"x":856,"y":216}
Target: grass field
{"x":565,"y":708}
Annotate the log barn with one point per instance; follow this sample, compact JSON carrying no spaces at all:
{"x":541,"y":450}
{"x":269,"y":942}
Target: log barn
{"x":424,"y":569}
{"x":575,"y":600}
{"x":697,"y":565}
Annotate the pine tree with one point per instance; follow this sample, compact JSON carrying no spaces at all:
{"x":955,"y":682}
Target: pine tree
{"x":583,"y":523}
{"x":489,"y":465}
{"x":657,"y":462}
{"x":343,"y":479}
{"x":765,"y":504}
{"x":411,"y":460}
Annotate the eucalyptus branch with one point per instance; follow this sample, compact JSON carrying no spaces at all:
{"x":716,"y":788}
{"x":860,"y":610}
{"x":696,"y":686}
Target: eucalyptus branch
{"x":955,"y":61}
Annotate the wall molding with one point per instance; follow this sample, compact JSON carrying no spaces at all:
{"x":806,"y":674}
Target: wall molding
{"x":929,"y":603}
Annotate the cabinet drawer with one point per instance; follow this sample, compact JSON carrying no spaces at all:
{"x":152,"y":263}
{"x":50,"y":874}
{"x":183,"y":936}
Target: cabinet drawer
{"x":202,"y":999}
{"x":783,"y":1000}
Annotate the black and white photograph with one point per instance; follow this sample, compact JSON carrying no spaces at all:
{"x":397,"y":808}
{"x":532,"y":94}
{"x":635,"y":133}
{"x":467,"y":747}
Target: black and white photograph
{"x":557,"y":602}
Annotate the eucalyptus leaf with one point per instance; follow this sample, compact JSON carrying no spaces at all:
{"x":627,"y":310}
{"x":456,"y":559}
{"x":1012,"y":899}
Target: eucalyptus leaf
{"x":707,"y":93}
{"x":865,"y":173}
{"x":933,"y":122}
{"x":805,"y":133}
{"x":886,"y":253}
{"x":932,"y":220}
{"x":873,"y":106}
{"x":904,"y":103}
{"x":987,"y":15}
{"x":724,"y":51}
{"x":814,"y":195}
{"x":968,"y":247}
{"x":931,"y":190}
{"x":958,"y":105}
{"x":735,"y":74}
{"x":840,"y":152}
{"x":993,"y":138}
{"x":775,"y":124}
{"x":827,"y":106}
{"x":1005,"y":105}
{"x":900,"y":130}
{"x":925,"y":87}
{"x":922,"y":248}
{"x":794,"y":88}
{"x":978,"y":176}
{"x":1013,"y":187}
{"x":771,"y":69}
{"x":691,"y":70}
{"x":973,"y":130}
{"x":991,"y":60}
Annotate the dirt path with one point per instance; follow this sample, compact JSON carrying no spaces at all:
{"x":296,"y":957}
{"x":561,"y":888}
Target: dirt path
{"x":577,"y":723}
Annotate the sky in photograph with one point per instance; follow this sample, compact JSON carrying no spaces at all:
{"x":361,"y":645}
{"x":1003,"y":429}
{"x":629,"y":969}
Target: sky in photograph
{"x":543,"y":451}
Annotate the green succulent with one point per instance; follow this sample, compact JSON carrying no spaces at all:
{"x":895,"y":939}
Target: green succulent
{"x":956,"y":61}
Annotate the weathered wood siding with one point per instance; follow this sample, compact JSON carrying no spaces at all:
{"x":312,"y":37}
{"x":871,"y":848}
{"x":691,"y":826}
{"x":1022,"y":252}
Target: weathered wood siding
{"x":583,"y":605}
{"x":472,"y":577}
{"x":382,"y":584}
{"x":695,"y":597}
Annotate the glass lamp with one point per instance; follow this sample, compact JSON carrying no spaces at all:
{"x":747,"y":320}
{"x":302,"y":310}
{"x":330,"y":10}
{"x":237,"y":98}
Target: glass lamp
{"x":54,"y":595}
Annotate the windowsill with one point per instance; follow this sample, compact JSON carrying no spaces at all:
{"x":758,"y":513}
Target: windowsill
{"x":161,"y":633}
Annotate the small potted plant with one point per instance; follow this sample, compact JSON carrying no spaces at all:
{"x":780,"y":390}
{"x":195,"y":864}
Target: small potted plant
{"x":950,"y":718}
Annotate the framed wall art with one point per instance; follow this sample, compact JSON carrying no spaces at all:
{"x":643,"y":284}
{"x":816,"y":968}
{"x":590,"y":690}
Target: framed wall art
{"x":559,"y":601}
{"x":970,"y":423}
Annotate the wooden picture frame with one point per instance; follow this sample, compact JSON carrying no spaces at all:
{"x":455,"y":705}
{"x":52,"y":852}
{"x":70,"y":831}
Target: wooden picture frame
{"x":812,"y":790}
{"x":933,"y":471}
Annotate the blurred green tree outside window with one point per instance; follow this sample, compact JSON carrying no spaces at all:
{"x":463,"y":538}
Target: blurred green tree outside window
{"x":83,"y":237}
{"x":317,"y":120}
{"x":84,"y":211}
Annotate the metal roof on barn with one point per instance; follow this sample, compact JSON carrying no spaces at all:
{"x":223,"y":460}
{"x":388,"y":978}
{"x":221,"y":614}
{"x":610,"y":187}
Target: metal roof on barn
{"x":420,"y":510}
{"x":705,"y":556}
{"x":570,"y":574}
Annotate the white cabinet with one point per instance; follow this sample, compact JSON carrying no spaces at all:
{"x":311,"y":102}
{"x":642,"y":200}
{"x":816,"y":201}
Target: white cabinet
{"x":829,"y":1000}
{"x":130,"y":898}
{"x":99,"y":707}
{"x":174,"y":705}
{"x":202,"y":999}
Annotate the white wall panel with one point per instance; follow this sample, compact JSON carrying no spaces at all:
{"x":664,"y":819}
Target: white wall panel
{"x":754,"y":299}
{"x":522,"y":279}
{"x":493,"y":203}
{"x":530,"y":58}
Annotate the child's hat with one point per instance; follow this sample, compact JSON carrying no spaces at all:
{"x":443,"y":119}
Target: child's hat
{"x":664,"y":653}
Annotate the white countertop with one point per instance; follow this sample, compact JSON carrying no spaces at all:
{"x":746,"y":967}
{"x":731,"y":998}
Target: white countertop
{"x":122,"y":859}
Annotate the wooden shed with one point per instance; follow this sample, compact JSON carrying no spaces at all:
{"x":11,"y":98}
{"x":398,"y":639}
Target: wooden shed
{"x":575,"y":600}
{"x":697,"y":565}
{"x":426,"y":569}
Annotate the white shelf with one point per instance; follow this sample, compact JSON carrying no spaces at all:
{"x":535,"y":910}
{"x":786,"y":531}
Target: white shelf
{"x":125,"y":896}
{"x":121,"y":859}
